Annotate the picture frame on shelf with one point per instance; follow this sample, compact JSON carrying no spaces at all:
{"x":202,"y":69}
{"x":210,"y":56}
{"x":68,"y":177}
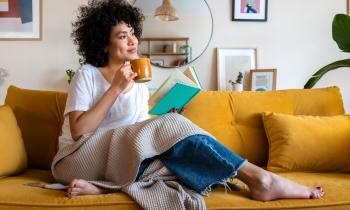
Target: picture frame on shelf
{"x":249,"y":10}
{"x":157,"y":62}
{"x":20,"y":20}
{"x":231,"y":61}
{"x":262,"y":79}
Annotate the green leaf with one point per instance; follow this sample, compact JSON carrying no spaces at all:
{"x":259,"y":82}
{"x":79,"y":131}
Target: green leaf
{"x":341,"y":31}
{"x":82,"y":61}
{"x":318,"y":75}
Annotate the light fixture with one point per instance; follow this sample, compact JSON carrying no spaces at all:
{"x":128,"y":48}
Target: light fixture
{"x":166,"y":12}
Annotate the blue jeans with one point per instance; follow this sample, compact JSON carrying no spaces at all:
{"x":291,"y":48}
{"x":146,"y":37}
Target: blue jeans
{"x":199,"y":161}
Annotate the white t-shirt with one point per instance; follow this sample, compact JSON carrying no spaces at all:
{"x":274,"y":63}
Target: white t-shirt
{"x":86,"y":89}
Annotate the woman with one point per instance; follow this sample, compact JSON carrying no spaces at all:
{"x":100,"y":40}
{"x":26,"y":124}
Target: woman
{"x":104,"y":96}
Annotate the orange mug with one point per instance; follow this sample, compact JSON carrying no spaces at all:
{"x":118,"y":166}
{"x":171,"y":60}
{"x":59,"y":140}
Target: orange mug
{"x":142,"y":66}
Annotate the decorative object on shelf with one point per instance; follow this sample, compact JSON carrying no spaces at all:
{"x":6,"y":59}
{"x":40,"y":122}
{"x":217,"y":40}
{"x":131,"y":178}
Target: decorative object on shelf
{"x":3,"y":74}
{"x":20,"y":20}
{"x":341,"y":35}
{"x":174,"y":47}
{"x":249,"y":10}
{"x":190,"y":18}
{"x":231,"y":61}
{"x":166,"y":12}
{"x":166,"y":48}
{"x":262,"y":79}
{"x":70,"y":72}
{"x":157,"y":62}
{"x":237,"y":85}
{"x":188,"y":50}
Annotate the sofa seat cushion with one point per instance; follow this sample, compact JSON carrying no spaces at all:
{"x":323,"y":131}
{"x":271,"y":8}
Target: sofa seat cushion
{"x":15,"y":195}
{"x":336,"y":186}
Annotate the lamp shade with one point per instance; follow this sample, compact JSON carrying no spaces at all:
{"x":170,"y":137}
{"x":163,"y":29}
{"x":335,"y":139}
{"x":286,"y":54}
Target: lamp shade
{"x":166,"y":12}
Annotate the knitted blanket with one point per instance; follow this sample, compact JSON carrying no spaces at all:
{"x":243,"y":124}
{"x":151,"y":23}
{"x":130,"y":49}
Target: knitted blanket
{"x":111,"y":159}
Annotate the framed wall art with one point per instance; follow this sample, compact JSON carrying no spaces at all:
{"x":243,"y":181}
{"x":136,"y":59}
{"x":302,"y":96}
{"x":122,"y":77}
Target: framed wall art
{"x":20,"y":19}
{"x":262,"y":79}
{"x":231,"y":61}
{"x":249,"y":10}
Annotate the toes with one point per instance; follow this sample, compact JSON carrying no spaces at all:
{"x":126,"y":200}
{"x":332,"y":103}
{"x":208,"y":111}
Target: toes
{"x":75,"y":190}
{"x":73,"y":183}
{"x":81,"y":183}
{"x":320,"y":189}
{"x":317,"y":193}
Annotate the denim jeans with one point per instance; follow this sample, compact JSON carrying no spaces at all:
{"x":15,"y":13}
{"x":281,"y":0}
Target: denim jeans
{"x":199,"y":161}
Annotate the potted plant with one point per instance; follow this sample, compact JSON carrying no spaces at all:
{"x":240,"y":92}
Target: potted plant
{"x":237,"y":85}
{"x":70,"y":72}
{"x":341,"y":35}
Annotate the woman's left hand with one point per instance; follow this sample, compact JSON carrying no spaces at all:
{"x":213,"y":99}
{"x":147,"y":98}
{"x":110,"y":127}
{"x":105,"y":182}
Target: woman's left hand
{"x":174,"y":110}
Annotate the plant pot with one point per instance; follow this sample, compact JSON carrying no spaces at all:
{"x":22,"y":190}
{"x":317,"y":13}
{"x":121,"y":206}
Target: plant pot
{"x":237,"y":87}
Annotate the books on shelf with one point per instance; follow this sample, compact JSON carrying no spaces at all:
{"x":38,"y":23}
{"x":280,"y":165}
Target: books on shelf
{"x":175,"y":92}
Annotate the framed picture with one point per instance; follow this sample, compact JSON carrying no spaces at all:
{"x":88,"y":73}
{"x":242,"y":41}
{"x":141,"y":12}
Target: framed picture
{"x":262,"y":79}
{"x":231,"y":61}
{"x":157,"y":62}
{"x":20,"y":19}
{"x":249,"y":10}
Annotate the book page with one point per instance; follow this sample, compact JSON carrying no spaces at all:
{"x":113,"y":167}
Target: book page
{"x":175,"y":77}
{"x":190,"y":72}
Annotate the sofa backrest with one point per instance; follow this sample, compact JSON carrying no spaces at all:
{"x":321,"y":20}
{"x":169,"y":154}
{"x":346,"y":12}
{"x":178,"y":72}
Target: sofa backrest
{"x":234,"y":118}
{"x":39,"y":115}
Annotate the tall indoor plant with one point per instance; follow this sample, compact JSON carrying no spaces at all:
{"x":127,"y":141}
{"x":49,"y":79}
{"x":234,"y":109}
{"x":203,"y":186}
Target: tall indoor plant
{"x":341,"y":35}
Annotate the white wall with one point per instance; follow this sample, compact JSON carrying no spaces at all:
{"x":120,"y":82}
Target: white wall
{"x":296,"y":40}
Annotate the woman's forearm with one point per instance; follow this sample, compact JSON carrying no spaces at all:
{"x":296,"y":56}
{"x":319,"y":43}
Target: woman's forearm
{"x":86,"y":122}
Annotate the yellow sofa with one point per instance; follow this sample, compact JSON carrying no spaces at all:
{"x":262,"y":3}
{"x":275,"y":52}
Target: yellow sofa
{"x":233,"y":117}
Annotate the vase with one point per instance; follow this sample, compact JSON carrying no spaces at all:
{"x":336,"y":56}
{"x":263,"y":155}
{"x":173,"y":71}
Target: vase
{"x":237,"y":87}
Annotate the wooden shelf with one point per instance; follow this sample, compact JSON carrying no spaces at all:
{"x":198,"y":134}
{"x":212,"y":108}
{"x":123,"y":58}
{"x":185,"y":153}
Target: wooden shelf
{"x":165,"y":39}
{"x":165,"y":49}
{"x":165,"y":54}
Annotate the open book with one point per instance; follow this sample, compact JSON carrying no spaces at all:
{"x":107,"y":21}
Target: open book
{"x":175,"y":92}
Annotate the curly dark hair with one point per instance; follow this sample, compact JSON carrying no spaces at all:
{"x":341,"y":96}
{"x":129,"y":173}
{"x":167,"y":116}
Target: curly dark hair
{"x":91,"y":30}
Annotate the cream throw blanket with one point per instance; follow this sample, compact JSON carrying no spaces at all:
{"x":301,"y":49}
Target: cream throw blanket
{"x":111,"y":160}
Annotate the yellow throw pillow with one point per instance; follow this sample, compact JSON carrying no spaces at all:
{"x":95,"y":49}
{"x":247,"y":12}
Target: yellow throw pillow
{"x":308,"y":143}
{"x":13,"y":157}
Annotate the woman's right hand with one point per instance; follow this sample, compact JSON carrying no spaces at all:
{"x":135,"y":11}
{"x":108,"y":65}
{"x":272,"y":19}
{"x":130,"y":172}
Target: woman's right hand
{"x":123,"y":77}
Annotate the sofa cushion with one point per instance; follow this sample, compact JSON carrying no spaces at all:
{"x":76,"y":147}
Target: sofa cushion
{"x":13,"y":157}
{"x":316,"y":102}
{"x":234,"y":118}
{"x":14,"y":195}
{"x":308,"y":143}
{"x":40,"y":116}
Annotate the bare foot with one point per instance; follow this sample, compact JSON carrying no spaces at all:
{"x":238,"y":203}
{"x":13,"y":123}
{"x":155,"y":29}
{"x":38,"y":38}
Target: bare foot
{"x":82,"y":187}
{"x":274,"y":187}
{"x":267,"y":186}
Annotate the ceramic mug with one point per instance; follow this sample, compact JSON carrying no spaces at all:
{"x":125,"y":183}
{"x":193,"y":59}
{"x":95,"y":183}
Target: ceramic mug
{"x":142,"y":66}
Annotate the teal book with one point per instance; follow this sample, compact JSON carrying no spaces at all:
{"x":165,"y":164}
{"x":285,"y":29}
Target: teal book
{"x":175,"y":92}
{"x":177,"y":97}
